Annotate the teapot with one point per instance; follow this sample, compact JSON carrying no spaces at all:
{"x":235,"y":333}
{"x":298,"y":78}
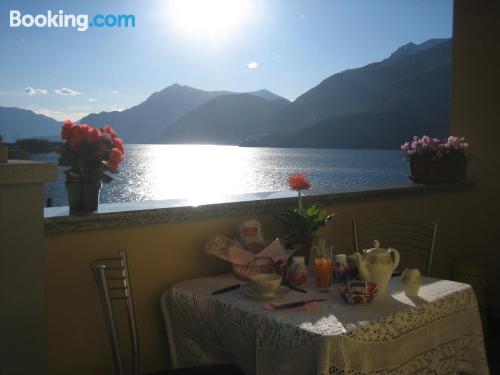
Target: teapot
{"x":376,"y":265}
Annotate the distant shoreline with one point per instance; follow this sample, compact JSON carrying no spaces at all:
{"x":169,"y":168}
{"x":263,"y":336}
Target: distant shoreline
{"x":43,"y":146}
{"x":33,"y":146}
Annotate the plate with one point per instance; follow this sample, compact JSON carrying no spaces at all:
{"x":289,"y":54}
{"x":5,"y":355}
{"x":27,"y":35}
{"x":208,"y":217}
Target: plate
{"x":252,"y":292}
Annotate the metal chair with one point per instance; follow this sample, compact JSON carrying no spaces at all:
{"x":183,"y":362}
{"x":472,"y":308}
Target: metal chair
{"x":113,"y":283}
{"x":411,"y":238}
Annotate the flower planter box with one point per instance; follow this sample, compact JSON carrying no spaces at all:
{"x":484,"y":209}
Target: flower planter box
{"x":438,"y":171}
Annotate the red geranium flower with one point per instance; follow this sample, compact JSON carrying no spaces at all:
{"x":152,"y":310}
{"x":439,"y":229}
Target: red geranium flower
{"x":112,"y":166}
{"x":85,"y":132}
{"x":298,"y":182}
{"x":89,"y":152}
{"x":66,"y":129}
{"x":109,"y":130}
{"x":115,"y":155}
{"x":74,"y":142}
{"x":102,"y":148}
{"x":75,"y":131}
{"x":94,"y":135}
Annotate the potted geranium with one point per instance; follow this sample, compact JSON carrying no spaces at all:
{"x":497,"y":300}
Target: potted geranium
{"x":434,"y":160}
{"x":300,"y":224}
{"x":89,"y":153}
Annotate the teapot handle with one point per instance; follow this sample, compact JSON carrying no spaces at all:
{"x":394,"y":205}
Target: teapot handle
{"x":396,"y":257}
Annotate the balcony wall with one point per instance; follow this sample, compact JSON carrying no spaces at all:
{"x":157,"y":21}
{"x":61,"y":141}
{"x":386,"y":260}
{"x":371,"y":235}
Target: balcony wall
{"x":162,"y":254}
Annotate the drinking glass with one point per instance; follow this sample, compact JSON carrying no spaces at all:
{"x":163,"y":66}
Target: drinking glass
{"x":323,"y":264}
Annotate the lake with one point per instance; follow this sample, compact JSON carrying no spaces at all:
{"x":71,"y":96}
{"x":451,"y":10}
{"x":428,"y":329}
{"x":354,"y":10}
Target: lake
{"x":196,"y":172}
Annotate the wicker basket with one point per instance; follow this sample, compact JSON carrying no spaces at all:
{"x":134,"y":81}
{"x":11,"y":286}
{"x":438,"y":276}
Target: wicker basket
{"x":255,"y":266}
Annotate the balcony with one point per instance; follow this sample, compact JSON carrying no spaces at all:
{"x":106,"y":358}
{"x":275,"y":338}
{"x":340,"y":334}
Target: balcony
{"x":165,"y":240}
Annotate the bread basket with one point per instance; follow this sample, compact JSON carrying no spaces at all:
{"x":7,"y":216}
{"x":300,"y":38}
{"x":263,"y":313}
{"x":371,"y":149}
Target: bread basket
{"x":255,"y":266}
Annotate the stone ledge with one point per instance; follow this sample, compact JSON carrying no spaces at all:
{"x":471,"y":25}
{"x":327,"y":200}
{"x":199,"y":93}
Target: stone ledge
{"x":119,"y":215}
{"x":26,"y":172}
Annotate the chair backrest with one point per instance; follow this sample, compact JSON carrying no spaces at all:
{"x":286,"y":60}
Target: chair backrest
{"x":113,"y":283}
{"x":416,"y":239}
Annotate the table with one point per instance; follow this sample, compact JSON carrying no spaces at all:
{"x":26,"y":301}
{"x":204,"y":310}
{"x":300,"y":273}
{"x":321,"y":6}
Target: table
{"x":438,"y":332}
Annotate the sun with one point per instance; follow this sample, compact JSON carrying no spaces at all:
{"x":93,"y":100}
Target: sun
{"x":211,"y":19}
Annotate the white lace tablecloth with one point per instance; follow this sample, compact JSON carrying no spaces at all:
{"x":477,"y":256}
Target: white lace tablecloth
{"x":438,"y":332}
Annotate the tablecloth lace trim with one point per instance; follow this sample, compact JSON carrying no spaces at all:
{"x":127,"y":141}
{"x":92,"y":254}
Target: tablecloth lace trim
{"x":208,"y":329}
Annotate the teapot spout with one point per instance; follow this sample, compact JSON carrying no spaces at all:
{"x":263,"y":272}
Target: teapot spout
{"x":364,"y":273}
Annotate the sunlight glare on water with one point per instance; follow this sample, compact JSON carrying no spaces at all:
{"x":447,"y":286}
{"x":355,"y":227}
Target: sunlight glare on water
{"x":204,"y":173}
{"x":199,"y":173}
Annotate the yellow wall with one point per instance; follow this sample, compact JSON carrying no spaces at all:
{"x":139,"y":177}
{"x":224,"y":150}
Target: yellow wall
{"x":163,"y":254}
{"x":476,"y":115}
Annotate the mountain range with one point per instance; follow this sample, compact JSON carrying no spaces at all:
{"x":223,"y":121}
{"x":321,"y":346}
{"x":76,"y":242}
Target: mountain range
{"x":375,"y":106}
{"x":17,"y":123}
{"x":147,"y":121}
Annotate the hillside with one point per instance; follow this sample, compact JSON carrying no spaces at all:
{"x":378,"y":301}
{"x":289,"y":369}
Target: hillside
{"x":376,"y":106}
{"x":17,"y":123}
{"x":226,"y":119}
{"x":147,"y":121}
{"x":144,"y":122}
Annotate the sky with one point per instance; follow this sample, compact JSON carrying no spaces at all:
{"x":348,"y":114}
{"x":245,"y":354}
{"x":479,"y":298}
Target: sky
{"x":285,"y":46}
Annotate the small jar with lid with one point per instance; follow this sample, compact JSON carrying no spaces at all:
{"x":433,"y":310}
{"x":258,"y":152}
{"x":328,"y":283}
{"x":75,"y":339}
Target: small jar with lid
{"x":297,"y":272}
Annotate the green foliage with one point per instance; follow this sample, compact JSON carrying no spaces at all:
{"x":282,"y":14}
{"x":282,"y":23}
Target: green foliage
{"x":299,"y":227}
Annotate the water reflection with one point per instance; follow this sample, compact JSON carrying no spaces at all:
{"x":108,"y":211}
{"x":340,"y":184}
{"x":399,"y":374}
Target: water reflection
{"x":204,"y":173}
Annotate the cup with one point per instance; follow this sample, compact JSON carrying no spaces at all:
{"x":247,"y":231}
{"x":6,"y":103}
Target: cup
{"x":412,"y":279}
{"x":266,"y":283}
{"x":323,"y":266}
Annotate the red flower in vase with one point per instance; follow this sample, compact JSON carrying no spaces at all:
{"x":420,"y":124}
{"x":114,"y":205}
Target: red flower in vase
{"x":90,"y":152}
{"x":298,"y":182}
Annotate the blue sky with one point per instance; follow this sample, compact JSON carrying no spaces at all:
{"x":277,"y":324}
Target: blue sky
{"x":286,"y":46}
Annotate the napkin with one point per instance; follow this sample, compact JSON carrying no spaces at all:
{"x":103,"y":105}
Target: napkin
{"x":274,"y":250}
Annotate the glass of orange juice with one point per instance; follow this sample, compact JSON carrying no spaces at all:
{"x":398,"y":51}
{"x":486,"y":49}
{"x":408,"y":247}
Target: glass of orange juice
{"x":323,"y":264}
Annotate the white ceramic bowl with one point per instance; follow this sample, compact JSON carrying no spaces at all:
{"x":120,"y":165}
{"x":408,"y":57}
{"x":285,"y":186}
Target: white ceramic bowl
{"x":266,"y":283}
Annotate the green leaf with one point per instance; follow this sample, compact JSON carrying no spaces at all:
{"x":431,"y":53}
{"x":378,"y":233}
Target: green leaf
{"x":298,"y":229}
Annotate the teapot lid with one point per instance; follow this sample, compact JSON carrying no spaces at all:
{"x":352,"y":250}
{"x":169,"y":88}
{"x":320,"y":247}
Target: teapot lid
{"x":376,"y":250}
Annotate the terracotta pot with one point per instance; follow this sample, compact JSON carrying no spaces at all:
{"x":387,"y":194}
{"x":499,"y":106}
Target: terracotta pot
{"x":439,"y":171}
{"x":83,"y":198}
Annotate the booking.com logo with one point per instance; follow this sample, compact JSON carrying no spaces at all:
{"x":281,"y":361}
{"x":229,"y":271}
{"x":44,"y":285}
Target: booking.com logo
{"x":81,"y":22}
